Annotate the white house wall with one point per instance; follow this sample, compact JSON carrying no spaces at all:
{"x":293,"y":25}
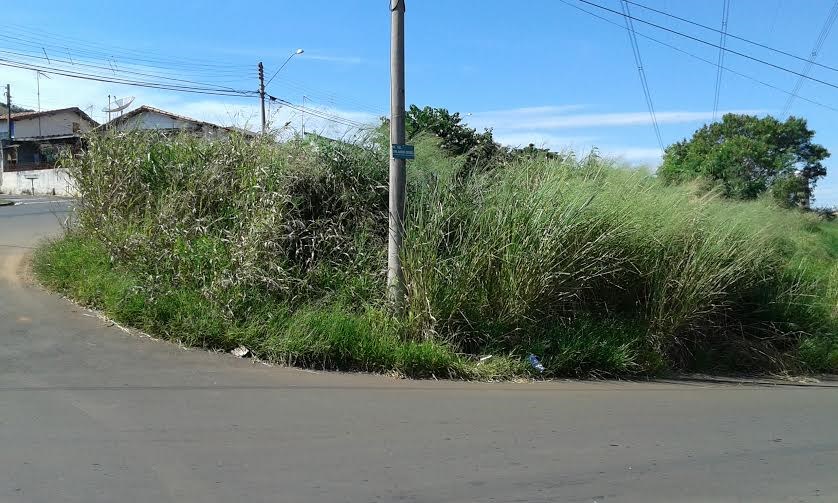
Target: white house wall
{"x":51,"y":125}
{"x":46,"y":181}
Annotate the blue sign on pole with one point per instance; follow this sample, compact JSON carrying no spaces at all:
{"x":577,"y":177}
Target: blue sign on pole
{"x":403,"y":151}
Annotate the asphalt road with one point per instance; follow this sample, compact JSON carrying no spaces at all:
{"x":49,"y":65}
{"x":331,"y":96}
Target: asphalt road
{"x":89,"y":413}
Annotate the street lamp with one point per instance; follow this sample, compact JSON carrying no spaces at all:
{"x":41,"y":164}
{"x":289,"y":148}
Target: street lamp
{"x":295,"y":53}
{"x":262,"y":86}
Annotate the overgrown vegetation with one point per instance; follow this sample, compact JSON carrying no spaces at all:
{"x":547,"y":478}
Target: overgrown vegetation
{"x":595,"y":269}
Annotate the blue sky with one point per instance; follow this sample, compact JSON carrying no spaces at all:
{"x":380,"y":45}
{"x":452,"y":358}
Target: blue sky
{"x":536,"y":71}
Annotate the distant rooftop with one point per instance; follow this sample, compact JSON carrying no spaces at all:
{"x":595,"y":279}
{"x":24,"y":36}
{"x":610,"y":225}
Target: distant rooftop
{"x":146,"y":108}
{"x":45,"y":113}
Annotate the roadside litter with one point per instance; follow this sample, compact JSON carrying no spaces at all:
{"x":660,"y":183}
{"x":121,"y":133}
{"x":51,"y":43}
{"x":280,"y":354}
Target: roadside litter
{"x":535,"y":363}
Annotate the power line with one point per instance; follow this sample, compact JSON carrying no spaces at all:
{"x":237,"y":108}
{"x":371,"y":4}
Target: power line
{"x":711,"y":44}
{"x":721,"y":60}
{"x":116,"y":80}
{"x":40,"y":47}
{"x":320,"y":114}
{"x":731,"y":35}
{"x":330,"y":97}
{"x":639,"y":61}
{"x":37,"y":50}
{"x":70,"y":65}
{"x":699,"y":58}
{"x":115,"y":70}
{"x":63,"y":41}
{"x":106,"y":57}
{"x":824,"y":33}
{"x":205,"y":89}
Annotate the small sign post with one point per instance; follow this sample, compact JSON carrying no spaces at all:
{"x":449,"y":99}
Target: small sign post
{"x":32,"y":179}
{"x":403,"y":151}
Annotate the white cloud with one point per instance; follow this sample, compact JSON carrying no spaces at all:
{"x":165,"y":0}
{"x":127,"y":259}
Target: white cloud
{"x":635,"y":155}
{"x":543,"y":140}
{"x":283,"y":52}
{"x":349,"y":60}
{"x":541,"y":126}
{"x":524,"y":112}
{"x":549,"y":117}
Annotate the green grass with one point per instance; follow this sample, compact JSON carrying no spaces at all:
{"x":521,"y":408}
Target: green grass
{"x":600,"y":271}
{"x":4,"y":202}
{"x":315,"y":337}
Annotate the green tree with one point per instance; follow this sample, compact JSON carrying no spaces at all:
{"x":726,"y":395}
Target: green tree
{"x":747,"y":156}
{"x":480,"y":150}
{"x":456,"y":137}
{"x":15,"y":109}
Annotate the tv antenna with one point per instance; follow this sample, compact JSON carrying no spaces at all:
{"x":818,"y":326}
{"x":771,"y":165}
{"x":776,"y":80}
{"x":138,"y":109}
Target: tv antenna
{"x":117,"y":105}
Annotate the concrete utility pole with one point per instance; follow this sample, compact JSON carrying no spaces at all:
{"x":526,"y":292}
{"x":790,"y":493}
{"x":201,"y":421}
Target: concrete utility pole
{"x":395,"y":275}
{"x":9,"y":110}
{"x":38,"y":80}
{"x":9,"y":125}
{"x":262,"y":96}
{"x":303,"y":118}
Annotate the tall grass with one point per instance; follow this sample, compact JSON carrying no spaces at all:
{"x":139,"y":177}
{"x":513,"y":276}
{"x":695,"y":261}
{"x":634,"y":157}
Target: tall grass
{"x":597,"y":269}
{"x":532,"y":246}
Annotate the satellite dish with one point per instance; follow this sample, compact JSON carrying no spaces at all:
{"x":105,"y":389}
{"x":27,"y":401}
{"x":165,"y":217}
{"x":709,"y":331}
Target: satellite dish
{"x":120,"y":104}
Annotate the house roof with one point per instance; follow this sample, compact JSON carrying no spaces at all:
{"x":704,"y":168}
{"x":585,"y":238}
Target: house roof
{"x":147,"y":108}
{"x":33,"y":115}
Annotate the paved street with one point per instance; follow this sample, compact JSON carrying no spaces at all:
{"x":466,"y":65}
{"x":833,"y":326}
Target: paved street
{"x":89,"y":413}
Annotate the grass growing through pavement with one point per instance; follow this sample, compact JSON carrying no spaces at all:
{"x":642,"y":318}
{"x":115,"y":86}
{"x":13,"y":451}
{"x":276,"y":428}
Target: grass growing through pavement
{"x":598,"y":270}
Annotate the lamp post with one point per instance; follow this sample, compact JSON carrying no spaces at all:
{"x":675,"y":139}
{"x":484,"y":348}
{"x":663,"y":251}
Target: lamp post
{"x":295,"y":53}
{"x":263,"y":85}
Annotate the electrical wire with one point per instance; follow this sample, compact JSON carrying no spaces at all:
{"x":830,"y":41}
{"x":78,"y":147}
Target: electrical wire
{"x":144,"y":74}
{"x":80,"y":53}
{"x":333,"y":99}
{"x":824,"y":33}
{"x":699,"y":58}
{"x":70,"y":63}
{"x":721,"y":60}
{"x":731,"y":35}
{"x":62,"y":42}
{"x":319,"y":113}
{"x":328,"y":117}
{"x":642,"y":73}
{"x":40,"y":47}
{"x":711,"y":44}
{"x":115,"y":80}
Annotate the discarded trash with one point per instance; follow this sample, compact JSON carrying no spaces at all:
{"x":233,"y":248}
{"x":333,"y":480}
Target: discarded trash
{"x":535,"y":363}
{"x":241,"y":352}
{"x":483,"y":359}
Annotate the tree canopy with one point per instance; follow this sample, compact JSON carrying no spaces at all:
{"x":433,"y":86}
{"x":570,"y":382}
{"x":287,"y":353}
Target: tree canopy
{"x":15,"y":109}
{"x":456,"y":138}
{"x":748,"y":156}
